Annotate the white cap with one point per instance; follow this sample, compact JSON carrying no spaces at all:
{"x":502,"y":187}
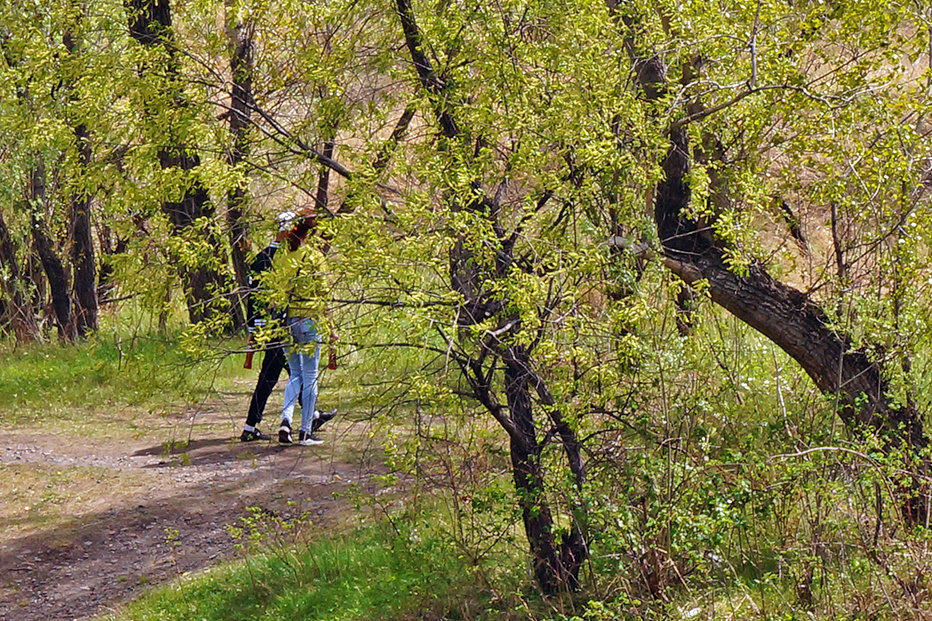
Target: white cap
{"x":285,"y":220}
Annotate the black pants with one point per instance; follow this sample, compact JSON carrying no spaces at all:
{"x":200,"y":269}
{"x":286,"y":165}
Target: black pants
{"x":273,"y":361}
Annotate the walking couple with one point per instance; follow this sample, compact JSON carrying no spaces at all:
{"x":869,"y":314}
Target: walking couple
{"x":287,"y":314}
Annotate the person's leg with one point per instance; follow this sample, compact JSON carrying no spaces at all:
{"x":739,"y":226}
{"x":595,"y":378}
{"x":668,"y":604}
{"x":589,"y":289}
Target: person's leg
{"x":310,"y":362}
{"x":320,"y":418}
{"x":273,"y":361}
{"x":292,"y":389}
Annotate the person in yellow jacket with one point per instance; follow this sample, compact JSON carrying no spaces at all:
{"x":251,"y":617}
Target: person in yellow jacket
{"x":297,"y":284}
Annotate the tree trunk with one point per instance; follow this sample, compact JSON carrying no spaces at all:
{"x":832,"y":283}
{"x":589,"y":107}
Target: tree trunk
{"x":150,"y":21}
{"x":150,"y":25}
{"x":798,"y":326}
{"x":242,"y":65}
{"x":17,"y":313}
{"x":781,"y":313}
{"x":322,"y":198}
{"x":51,"y":263}
{"x":556,"y":569}
{"x":84,"y":277}
{"x":202,"y":284}
{"x":108,"y":249}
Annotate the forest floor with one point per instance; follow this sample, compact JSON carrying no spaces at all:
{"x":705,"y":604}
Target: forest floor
{"x":97,"y":511}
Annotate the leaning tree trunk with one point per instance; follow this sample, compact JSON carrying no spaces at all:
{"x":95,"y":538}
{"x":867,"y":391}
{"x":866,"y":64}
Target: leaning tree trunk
{"x":799,"y":327}
{"x":786,"y":316}
{"x":51,"y":263}
{"x":151,"y":26}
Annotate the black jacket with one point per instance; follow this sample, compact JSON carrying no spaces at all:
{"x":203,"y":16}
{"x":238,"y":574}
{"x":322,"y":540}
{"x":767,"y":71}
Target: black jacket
{"x":256,"y":313}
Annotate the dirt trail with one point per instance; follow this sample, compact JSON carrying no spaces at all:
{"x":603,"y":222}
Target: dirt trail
{"x":90,"y":521}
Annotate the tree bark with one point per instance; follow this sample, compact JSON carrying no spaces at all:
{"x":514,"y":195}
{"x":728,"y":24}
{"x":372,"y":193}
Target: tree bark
{"x":322,"y":197}
{"x":799,"y":327}
{"x":108,"y":249}
{"x":555,"y":567}
{"x":529,"y":482}
{"x":202,"y":283}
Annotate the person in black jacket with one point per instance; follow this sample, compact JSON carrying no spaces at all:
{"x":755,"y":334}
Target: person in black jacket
{"x":275,"y":358}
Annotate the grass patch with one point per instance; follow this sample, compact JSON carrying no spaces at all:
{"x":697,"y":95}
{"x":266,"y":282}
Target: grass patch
{"x":375,"y":572}
{"x":102,"y":373}
{"x":99,"y":370}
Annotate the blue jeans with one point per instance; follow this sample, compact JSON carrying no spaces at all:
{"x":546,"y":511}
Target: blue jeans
{"x":303,"y":364}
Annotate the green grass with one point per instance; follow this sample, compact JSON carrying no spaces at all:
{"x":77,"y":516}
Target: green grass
{"x":375,"y":572}
{"x":104,"y":372}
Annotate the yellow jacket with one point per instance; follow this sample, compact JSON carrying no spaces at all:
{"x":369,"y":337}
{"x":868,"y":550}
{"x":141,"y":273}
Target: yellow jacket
{"x":297,"y":282}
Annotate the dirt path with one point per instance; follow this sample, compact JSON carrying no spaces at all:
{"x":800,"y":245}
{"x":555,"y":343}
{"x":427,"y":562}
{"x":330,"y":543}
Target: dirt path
{"x":90,"y":520}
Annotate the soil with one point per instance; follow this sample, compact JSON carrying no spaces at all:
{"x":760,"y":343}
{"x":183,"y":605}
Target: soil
{"x":91,"y":520}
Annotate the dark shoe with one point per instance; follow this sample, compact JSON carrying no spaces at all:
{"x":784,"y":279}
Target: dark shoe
{"x":249,"y":436}
{"x":284,"y":434}
{"x":323,"y":418}
{"x":308,"y":439}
